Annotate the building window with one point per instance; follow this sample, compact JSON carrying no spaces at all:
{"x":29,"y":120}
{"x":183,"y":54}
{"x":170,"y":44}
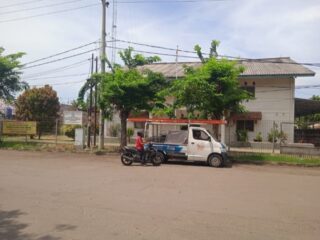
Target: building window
{"x":247,"y":125}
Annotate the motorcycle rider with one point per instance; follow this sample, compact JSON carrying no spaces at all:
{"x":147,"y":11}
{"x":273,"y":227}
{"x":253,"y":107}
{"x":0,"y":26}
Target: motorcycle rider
{"x":140,"y":147}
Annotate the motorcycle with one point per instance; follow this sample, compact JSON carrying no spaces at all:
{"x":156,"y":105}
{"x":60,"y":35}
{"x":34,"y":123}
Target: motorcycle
{"x":130,"y":155}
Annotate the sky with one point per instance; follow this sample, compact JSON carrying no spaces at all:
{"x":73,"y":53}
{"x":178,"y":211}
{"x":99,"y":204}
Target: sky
{"x":245,"y":28}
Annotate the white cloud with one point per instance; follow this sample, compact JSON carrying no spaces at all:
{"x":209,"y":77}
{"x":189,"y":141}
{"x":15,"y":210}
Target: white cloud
{"x":260,"y":28}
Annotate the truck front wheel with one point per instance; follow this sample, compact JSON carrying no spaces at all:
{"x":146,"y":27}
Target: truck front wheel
{"x":215,"y":160}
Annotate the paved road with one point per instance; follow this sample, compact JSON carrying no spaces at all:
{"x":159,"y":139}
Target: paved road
{"x":53,"y":196}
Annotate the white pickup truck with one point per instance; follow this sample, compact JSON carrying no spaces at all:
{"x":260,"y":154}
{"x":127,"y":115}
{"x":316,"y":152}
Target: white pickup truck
{"x":194,"y":144}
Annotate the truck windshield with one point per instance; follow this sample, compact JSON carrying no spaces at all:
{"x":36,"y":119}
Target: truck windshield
{"x":200,"y":135}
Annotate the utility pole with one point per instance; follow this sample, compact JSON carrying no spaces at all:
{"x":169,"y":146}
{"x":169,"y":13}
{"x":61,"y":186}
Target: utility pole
{"x":103,"y":57}
{"x":90,"y":104}
{"x":95,"y":107}
{"x":177,"y":53}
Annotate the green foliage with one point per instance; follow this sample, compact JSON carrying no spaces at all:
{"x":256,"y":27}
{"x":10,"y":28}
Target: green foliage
{"x":39,"y":104}
{"x":273,"y":134}
{"x":129,"y":90}
{"x":213,"y":51}
{"x":70,"y":130}
{"x":10,"y":75}
{"x":114,"y":130}
{"x":278,"y":135}
{"x":163,"y":110}
{"x":306,"y":122}
{"x":258,"y":137}
{"x":136,"y":60}
{"x":315,"y":97}
{"x":276,"y":159}
{"x":242,"y":135}
{"x":210,"y":89}
{"x":130,"y":132}
{"x":80,"y":102}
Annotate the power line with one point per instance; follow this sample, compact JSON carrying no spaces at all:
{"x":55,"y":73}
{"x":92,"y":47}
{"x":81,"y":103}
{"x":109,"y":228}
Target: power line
{"x":19,"y":4}
{"x":224,"y":56}
{"x":54,"y":84}
{"x":118,"y":48}
{"x":55,"y":70}
{"x":60,"y":53}
{"x":157,"y":53}
{"x":49,"y":13}
{"x":60,"y":59}
{"x":60,"y":76}
{"x":39,"y":7}
{"x":155,"y":46}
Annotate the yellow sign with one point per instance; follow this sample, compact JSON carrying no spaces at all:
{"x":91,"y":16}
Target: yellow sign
{"x":19,"y":128}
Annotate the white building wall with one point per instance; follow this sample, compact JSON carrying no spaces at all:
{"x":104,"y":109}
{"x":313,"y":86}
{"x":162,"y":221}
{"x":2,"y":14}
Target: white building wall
{"x":115,"y":121}
{"x":274,"y":98}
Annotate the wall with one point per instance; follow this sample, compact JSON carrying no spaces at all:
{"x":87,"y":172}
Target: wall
{"x":300,"y":149}
{"x":115,"y":121}
{"x":274,"y":98}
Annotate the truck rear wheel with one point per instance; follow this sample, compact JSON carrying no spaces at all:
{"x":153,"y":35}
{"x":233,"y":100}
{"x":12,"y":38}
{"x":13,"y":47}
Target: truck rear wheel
{"x":215,"y":160}
{"x":163,"y":157}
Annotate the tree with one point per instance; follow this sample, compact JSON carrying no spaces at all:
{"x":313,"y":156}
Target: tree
{"x":305,"y":122}
{"x":10,"y":75}
{"x":211,"y":89}
{"x":125,"y":89}
{"x":136,"y":60}
{"x":128,"y":90}
{"x":315,"y":97}
{"x":38,"y":104}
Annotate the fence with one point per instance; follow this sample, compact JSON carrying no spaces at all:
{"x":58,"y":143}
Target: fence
{"x":267,"y":136}
{"x":49,"y":131}
{"x":261,"y":136}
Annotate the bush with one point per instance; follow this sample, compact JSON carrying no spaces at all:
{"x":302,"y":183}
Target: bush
{"x":70,"y":130}
{"x":283,"y":137}
{"x":114,"y":130}
{"x":258,"y":137}
{"x":130,"y":133}
{"x":242,"y":135}
{"x":278,"y":135}
{"x":273,"y":132}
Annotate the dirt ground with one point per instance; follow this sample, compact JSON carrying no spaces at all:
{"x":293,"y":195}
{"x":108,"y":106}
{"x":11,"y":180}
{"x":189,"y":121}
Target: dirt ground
{"x":53,"y":196}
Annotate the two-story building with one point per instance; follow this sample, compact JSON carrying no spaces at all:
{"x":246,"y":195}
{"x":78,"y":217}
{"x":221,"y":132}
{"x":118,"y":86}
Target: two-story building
{"x":272,"y":83}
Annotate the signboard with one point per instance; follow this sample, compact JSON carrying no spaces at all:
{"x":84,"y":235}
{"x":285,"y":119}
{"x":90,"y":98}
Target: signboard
{"x":72,"y":117}
{"x":19,"y":128}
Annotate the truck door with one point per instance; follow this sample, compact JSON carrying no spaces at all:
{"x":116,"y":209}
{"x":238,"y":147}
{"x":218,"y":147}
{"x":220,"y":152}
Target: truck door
{"x":199,"y":145}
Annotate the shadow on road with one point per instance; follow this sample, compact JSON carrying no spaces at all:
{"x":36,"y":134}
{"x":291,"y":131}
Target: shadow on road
{"x":228,"y":164}
{"x":12,"y":229}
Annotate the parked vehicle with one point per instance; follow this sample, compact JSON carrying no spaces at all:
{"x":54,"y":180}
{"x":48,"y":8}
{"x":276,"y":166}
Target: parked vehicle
{"x":194,"y":144}
{"x":130,"y":155}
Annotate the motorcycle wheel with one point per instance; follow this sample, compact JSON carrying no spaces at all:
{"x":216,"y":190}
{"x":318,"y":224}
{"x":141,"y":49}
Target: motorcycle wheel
{"x":157,"y":159}
{"x":126,"y":161}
